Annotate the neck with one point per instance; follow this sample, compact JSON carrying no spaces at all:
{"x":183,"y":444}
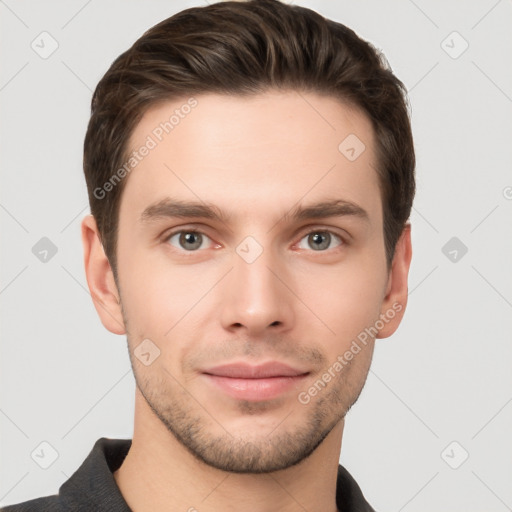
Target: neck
{"x":160,"y":474}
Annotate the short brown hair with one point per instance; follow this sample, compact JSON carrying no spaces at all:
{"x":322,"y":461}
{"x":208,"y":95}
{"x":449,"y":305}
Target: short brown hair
{"x":244,"y":48}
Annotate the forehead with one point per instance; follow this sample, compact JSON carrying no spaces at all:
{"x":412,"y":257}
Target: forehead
{"x":253,"y":153}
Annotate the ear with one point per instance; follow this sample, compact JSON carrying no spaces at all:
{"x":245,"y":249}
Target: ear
{"x":395,"y":300}
{"x":100,"y":278}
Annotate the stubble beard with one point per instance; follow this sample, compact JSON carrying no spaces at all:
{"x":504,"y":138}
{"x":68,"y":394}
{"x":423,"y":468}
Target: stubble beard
{"x":285,"y":446}
{"x":210,"y":442}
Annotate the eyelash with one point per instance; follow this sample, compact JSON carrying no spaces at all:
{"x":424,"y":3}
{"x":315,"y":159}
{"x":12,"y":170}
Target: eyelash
{"x":305,"y":234}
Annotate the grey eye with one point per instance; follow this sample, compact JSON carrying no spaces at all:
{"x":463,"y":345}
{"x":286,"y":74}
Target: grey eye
{"x":320,"y":240}
{"x":188,"y":240}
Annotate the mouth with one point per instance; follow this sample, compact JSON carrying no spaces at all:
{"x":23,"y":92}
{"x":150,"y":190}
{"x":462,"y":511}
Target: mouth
{"x":255,"y":382}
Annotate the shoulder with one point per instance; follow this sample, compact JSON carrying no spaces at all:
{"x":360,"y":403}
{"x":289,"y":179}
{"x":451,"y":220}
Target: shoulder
{"x":91,"y":487}
{"x":44,"y":504}
{"x":53,"y":503}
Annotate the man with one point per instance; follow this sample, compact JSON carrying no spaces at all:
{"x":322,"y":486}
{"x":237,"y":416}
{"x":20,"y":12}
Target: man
{"x":250,"y":169}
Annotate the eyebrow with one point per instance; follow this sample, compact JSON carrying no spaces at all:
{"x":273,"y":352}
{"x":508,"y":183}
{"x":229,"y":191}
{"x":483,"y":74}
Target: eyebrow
{"x":173,"y":208}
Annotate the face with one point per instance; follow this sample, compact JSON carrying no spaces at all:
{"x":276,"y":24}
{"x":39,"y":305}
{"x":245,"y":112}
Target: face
{"x":250,"y":259}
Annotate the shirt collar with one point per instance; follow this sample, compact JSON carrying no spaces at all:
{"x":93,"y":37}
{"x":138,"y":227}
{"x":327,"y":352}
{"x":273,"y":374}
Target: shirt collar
{"x":93,"y":482}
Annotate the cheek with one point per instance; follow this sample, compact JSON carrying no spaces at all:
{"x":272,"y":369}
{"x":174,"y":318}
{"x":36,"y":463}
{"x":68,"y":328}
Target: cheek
{"x":160,"y":299}
{"x":344,"y":300}
{"x":166,"y":301}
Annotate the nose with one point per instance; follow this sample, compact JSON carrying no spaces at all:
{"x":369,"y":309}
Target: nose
{"x":256,"y":297}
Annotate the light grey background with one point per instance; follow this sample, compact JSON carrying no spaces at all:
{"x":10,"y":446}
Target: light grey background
{"x":444,"y":376}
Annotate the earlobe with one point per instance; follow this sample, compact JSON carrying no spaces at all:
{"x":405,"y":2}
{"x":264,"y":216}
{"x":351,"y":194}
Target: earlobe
{"x":100,"y":278}
{"x":395,"y":301}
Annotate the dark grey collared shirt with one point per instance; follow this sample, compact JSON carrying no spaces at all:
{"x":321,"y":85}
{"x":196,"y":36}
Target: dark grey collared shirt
{"x":92,"y":486}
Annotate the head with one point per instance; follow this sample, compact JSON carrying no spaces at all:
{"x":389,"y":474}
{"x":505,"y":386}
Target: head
{"x":291,"y":136}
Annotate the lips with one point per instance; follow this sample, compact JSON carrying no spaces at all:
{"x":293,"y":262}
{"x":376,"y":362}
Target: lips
{"x":262,"y":371}
{"x":254,"y":382}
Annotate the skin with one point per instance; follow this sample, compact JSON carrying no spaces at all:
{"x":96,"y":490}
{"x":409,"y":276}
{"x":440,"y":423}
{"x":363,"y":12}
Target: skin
{"x":254,"y":158}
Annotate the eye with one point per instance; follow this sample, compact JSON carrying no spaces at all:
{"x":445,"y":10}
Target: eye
{"x":188,"y":239}
{"x":321,"y":239}
{"x":191,"y":240}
